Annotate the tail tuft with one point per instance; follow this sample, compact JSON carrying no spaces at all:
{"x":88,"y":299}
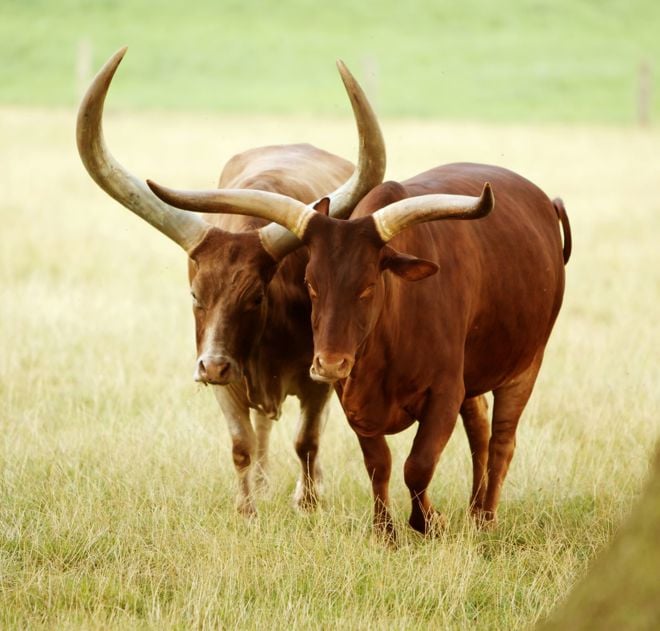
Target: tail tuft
{"x":560,"y":209}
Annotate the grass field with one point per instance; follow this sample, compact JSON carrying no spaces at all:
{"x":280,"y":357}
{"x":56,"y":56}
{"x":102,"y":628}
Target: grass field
{"x":523,"y":61}
{"x":116,"y":484}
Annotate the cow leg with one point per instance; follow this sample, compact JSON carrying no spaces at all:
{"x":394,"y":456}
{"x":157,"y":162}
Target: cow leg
{"x":313,"y":413}
{"x":234,"y":406}
{"x":474,"y":413}
{"x":378,"y":460}
{"x":263,"y":426}
{"x":509,"y":403}
{"x":432,"y":435}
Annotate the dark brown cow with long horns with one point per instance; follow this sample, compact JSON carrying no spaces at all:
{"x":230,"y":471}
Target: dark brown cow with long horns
{"x":251,"y":309}
{"x":400,"y":351}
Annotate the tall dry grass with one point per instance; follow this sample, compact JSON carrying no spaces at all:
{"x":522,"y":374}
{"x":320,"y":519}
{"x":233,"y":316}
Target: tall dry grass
{"x":116,"y":486}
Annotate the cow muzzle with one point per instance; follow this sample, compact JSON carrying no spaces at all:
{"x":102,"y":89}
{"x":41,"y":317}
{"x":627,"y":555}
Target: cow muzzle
{"x":218,"y":370}
{"x":330,"y":367}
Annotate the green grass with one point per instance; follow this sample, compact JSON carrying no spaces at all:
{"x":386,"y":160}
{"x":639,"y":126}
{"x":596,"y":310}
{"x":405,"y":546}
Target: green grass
{"x":116,"y":480}
{"x":526,"y":60}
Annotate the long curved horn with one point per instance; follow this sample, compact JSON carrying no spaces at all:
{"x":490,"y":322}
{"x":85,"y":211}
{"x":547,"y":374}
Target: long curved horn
{"x":395,"y":217}
{"x":372,"y":159}
{"x":368,"y":174}
{"x":277,"y":240}
{"x":185,"y":229}
{"x":289,"y":215}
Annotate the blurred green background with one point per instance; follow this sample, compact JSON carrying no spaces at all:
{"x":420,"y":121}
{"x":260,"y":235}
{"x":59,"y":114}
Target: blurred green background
{"x":522,"y":61}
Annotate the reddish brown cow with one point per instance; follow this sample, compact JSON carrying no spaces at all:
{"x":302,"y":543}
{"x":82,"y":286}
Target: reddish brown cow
{"x":400,"y":351}
{"x":252,"y":312}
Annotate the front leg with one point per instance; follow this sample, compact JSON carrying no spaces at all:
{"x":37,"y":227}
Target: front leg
{"x":233,"y":403}
{"x":435,"y":428}
{"x":313,"y":413}
{"x":378,"y":460}
{"x":263,"y":427}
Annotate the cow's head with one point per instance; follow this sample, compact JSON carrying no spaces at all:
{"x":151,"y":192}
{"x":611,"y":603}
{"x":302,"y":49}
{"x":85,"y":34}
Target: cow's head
{"x":229,"y":282}
{"x":230,"y":273}
{"x":347,"y":259}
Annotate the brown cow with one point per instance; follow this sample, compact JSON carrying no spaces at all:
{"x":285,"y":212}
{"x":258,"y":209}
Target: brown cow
{"x":400,"y":351}
{"x":254,"y":342}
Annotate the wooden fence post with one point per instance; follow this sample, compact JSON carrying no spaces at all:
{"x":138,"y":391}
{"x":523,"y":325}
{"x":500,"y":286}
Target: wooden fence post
{"x":371,"y":75}
{"x":644,"y":93}
{"x":83,"y":66}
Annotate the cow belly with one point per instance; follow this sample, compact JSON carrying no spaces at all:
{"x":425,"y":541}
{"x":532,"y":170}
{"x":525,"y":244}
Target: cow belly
{"x":371,"y":412}
{"x":495,"y":357}
{"x":486,"y":378}
{"x":369,"y":424}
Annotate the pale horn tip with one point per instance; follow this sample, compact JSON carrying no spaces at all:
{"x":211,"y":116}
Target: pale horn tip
{"x":115,"y":60}
{"x":346,"y":75}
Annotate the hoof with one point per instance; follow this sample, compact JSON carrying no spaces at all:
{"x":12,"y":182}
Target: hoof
{"x":430,"y":524}
{"x":246,"y":508}
{"x":484,"y":519}
{"x":385,"y":533}
{"x":305,"y":498}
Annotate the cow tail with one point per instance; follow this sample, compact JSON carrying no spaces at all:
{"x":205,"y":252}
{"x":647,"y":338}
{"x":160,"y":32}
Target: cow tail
{"x":560,"y":209}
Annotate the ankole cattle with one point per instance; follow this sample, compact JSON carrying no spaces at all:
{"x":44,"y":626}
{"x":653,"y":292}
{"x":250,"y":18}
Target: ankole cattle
{"x":251,"y":309}
{"x":422,"y":302}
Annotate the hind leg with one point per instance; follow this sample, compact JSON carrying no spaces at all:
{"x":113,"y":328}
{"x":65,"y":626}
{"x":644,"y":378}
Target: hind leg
{"x":510,"y":401}
{"x":474,"y":413}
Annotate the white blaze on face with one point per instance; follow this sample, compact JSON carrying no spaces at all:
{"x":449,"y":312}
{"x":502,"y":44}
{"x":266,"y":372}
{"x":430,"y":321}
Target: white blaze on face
{"x":214,"y":364}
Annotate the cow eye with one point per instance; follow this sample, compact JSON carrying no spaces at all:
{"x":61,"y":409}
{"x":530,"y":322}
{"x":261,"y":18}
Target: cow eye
{"x":196,"y":302}
{"x":367,"y":292}
{"x":255,"y":301}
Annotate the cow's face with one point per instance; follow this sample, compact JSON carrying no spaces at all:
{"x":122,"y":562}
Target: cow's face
{"x":345,"y":280}
{"x":229,"y":278}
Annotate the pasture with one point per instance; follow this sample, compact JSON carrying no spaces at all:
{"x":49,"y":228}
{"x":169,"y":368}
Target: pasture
{"x":531,"y":60}
{"x":117,"y":486}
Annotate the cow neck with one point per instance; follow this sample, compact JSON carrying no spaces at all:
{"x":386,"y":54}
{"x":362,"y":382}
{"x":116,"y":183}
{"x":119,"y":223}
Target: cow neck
{"x":376,"y":353}
{"x":388,"y":379}
{"x":281,"y":357}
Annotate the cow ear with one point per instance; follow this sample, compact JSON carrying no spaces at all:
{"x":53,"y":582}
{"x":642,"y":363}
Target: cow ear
{"x":323,"y":206}
{"x":406,"y":266}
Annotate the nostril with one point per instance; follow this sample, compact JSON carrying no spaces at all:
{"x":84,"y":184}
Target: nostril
{"x":223,"y":370}
{"x":201,"y":369}
{"x":325,"y":364}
